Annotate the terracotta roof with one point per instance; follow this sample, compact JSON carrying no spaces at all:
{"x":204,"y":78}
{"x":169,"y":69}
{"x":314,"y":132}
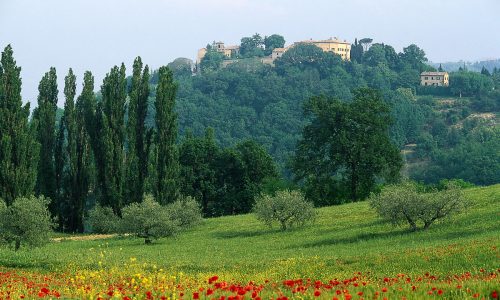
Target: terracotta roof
{"x":330,"y":40}
{"x":433,"y":73}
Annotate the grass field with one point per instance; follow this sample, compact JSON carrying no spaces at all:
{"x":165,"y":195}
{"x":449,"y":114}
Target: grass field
{"x":458,"y":258}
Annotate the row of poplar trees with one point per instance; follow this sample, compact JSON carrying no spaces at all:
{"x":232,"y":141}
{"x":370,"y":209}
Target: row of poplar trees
{"x":100,"y":149}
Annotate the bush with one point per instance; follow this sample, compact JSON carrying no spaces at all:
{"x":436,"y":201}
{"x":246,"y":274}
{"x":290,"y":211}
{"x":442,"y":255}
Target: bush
{"x":410,"y":203}
{"x":103,"y":220}
{"x":26,"y":221}
{"x":148,"y":220}
{"x":288,"y":208}
{"x":185,"y":212}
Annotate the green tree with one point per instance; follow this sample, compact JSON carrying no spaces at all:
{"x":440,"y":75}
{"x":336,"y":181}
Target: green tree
{"x":45,"y":114}
{"x":110,"y":121}
{"x":148,"y":220}
{"x":288,"y":208}
{"x":414,"y":57}
{"x":198,"y":162}
{"x":81,"y":178}
{"x":167,"y":156}
{"x":212,"y":61}
{"x":138,"y":136}
{"x":356,"y":51}
{"x":26,"y":221}
{"x":19,"y":149}
{"x":252,"y":46}
{"x":242,"y":173}
{"x":347,"y":144}
{"x":273,"y":41}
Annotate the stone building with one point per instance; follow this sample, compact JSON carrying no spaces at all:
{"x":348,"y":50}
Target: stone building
{"x":434,"y":79}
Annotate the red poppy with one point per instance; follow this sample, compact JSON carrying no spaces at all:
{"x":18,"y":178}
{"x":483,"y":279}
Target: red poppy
{"x":360,"y":293}
{"x":317,"y":293}
{"x":440,"y":292}
{"x":196,"y":295}
{"x":384,"y":289}
{"x":494,"y":295}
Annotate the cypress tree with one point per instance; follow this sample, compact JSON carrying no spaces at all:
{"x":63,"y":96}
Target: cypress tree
{"x":167,"y":157}
{"x":137,"y":133}
{"x":45,"y":115}
{"x":110,"y":119}
{"x":18,"y":148}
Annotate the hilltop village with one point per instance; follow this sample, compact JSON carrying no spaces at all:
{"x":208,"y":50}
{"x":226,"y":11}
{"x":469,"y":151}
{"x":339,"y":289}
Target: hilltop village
{"x":232,"y":54}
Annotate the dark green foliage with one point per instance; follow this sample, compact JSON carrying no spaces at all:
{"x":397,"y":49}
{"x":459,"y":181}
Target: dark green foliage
{"x":73,"y":162}
{"x":19,"y":150}
{"x":45,"y":115}
{"x":242,"y":173}
{"x":198,"y":159}
{"x":475,"y":158}
{"x":252,"y":46}
{"x":467,"y":83}
{"x":224,"y":181}
{"x":212,"y":61}
{"x":166,"y":156}
{"x":26,"y":221}
{"x":346,"y":148}
{"x":138,"y":136}
{"x":273,"y":41}
{"x":356,"y":51}
{"x":111,"y":136}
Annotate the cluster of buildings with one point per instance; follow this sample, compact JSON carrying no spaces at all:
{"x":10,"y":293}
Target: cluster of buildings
{"x":334,"y":45}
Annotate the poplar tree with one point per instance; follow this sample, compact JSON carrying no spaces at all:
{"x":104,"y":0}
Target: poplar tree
{"x":110,"y":119}
{"x":80,"y":156}
{"x":138,"y":136}
{"x":45,"y":115}
{"x":167,"y":157}
{"x":18,"y":148}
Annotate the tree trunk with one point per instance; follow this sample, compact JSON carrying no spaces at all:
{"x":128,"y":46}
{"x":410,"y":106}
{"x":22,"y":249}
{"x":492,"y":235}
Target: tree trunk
{"x":147,"y":241}
{"x":18,"y":245}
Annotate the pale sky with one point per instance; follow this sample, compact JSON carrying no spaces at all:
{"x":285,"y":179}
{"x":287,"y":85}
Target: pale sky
{"x":97,"y":34}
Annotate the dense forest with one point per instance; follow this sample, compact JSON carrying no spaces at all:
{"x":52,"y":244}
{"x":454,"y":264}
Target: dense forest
{"x":336,"y":129}
{"x":251,"y":100}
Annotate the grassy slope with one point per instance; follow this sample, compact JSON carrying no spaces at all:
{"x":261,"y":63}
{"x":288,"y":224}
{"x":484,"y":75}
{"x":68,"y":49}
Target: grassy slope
{"x":346,"y":239}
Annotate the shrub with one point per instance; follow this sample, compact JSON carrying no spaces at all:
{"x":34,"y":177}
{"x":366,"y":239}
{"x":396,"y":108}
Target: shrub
{"x":412,"y":204}
{"x":288,"y":208}
{"x":185,"y":212}
{"x":148,"y":220}
{"x":26,"y":221}
{"x":103,"y":220}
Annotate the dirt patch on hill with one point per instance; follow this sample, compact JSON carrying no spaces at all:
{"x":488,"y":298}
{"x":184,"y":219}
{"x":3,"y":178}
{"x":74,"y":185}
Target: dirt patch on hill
{"x":89,"y":237}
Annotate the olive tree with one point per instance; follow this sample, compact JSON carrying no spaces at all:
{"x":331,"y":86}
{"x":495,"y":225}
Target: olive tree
{"x":148,"y":220}
{"x":185,"y":212}
{"x":408,"y":203}
{"x":26,"y":221}
{"x":288,"y":208}
{"x":102,"y":219}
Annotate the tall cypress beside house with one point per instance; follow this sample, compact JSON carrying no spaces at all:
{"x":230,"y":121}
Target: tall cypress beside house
{"x":110,"y":118}
{"x":138,"y":136}
{"x":45,"y":114}
{"x":167,"y":157}
{"x":18,"y":148}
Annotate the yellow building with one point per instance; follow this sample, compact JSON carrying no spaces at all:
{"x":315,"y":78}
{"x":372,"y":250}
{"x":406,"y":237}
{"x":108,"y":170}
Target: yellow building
{"x":228,"y":51}
{"x":342,"y":48}
{"x":434,"y":79}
